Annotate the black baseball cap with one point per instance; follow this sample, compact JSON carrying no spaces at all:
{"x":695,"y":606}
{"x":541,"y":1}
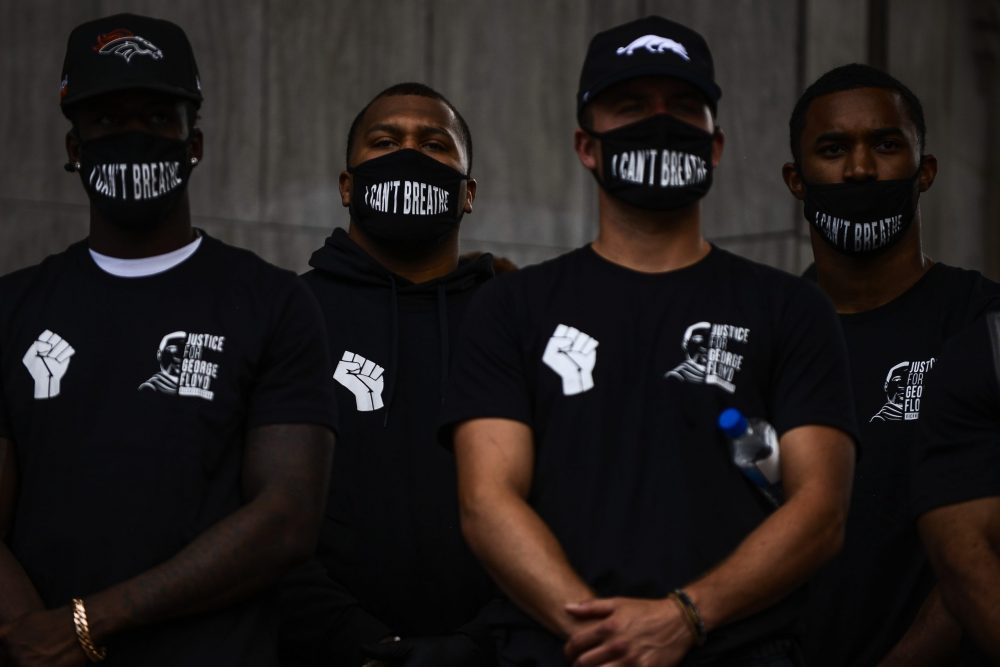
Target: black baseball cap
{"x":128,"y":52}
{"x":651,"y":46}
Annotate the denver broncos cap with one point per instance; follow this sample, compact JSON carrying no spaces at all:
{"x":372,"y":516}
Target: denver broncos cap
{"x":651,"y":46}
{"x":128,"y":52}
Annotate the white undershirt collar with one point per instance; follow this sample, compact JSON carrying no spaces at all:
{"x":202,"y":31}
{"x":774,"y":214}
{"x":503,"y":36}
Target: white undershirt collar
{"x":144,"y":266}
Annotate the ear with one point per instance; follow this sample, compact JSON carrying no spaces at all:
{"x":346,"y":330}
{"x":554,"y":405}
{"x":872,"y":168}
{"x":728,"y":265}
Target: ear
{"x":470,"y":194}
{"x":197,"y":144}
{"x":718,"y":143}
{"x":346,"y":183}
{"x":72,"y":147}
{"x":587,"y":149}
{"x":928,"y":172}
{"x":793,"y":179}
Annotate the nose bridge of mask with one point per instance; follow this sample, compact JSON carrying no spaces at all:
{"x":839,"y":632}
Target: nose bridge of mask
{"x":409,"y":159}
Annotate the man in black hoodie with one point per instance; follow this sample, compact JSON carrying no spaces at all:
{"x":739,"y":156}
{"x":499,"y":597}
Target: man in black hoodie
{"x":393,"y":579}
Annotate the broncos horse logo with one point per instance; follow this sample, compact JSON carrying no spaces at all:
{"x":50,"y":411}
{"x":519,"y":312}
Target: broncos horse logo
{"x":123,"y":43}
{"x":654,"y":44}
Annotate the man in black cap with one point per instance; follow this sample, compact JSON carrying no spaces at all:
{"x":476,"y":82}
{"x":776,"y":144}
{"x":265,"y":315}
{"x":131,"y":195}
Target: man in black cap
{"x":858,"y":139}
{"x":165,"y":400}
{"x":593,"y":481}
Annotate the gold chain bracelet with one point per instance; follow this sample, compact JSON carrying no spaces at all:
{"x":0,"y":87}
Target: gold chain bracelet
{"x":93,"y":653}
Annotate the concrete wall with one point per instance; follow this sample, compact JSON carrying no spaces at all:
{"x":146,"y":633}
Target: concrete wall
{"x":284,"y":78}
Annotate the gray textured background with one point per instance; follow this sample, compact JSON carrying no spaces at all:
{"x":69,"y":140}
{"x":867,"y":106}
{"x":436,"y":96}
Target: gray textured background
{"x":283,"y":79}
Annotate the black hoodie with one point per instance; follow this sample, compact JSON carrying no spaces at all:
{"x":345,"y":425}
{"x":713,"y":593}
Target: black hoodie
{"x":391,"y":544}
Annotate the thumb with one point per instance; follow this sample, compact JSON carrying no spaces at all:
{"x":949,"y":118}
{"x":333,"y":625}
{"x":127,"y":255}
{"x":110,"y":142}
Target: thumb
{"x":394,"y":649}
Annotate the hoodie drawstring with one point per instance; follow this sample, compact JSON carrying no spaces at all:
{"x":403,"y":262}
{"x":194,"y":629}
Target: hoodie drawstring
{"x":443,"y":330}
{"x":393,"y":348}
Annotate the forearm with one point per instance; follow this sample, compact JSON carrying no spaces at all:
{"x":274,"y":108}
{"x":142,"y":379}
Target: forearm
{"x":19,"y":595}
{"x":934,"y":638}
{"x":285,"y":473}
{"x":525,"y":560}
{"x":238,"y":556}
{"x":971,"y":594}
{"x":778,"y":556}
{"x":963,"y":542}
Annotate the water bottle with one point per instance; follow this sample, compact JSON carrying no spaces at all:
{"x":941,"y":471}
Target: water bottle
{"x":754,"y":450}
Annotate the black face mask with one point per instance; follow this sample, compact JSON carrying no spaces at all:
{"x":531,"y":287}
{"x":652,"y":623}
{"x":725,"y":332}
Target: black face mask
{"x":134,"y":179}
{"x":659,"y":163}
{"x":861,"y":218}
{"x":406,"y":196}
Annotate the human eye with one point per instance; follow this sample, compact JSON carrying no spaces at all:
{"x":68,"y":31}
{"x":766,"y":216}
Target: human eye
{"x":383,"y":142}
{"x":888,"y":146}
{"x":831,"y":150}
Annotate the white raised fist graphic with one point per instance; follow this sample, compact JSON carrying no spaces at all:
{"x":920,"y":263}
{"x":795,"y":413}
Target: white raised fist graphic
{"x":363,"y":378}
{"x":47,"y":360}
{"x":572,"y":354}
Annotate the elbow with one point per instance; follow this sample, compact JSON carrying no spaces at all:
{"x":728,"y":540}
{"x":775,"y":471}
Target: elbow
{"x":824,"y":538}
{"x":474,"y":521}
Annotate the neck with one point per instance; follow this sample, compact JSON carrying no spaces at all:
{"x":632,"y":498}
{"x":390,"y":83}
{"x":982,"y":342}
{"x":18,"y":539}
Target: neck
{"x":649,"y":241}
{"x":114,"y":240}
{"x":418,"y":264}
{"x":859,"y":284}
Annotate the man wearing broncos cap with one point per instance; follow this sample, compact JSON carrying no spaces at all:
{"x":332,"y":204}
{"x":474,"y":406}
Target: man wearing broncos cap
{"x":165,"y":402}
{"x":594,"y":483}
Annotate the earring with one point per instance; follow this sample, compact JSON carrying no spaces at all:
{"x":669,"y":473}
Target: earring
{"x":194,"y":160}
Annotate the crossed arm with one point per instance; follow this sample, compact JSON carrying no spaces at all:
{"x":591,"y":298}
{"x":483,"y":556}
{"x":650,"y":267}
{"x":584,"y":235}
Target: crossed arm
{"x":963,"y":543}
{"x":495,"y":466}
{"x":285,"y":473}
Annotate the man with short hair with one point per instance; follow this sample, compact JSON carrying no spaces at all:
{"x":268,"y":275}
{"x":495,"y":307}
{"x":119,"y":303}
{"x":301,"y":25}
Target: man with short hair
{"x":594,"y":484}
{"x":858,"y":142}
{"x":165,"y":402}
{"x":956,"y":484}
{"x":392,"y":563}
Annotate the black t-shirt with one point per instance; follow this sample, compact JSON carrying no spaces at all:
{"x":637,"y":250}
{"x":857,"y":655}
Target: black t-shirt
{"x":128,"y":400}
{"x":621,"y":376}
{"x":862,"y":602}
{"x":958,"y":453}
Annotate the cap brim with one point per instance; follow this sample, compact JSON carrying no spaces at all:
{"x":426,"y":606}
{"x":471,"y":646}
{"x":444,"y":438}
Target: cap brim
{"x":71,"y":100}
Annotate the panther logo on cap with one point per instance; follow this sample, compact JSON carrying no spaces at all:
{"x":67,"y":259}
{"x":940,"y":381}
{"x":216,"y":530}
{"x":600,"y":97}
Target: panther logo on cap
{"x":123,"y":43}
{"x":654,"y":44}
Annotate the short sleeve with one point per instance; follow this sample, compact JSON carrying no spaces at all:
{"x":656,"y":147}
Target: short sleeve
{"x":488,"y":377}
{"x":958,"y":454}
{"x":294,"y":382}
{"x":810,"y":381}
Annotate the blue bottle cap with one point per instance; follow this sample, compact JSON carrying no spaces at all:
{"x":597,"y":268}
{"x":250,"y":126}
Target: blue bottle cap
{"x":732,"y":422}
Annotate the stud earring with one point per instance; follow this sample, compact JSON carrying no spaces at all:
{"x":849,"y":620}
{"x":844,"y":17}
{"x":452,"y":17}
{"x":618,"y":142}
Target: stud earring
{"x":194,"y":161}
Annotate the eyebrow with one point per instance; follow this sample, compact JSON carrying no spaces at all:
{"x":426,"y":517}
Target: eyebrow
{"x":877,"y":133}
{"x":393,"y":128}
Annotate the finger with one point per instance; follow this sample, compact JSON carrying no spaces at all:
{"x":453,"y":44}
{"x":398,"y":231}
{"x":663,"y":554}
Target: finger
{"x":58,"y":348}
{"x":560,"y":331}
{"x":348,"y":356}
{"x":45,"y":336}
{"x":594,"y":646}
{"x":606,"y":655}
{"x":590,"y":346}
{"x":572,"y":332}
{"x":67,"y":353}
{"x":377,"y":373}
{"x":368,"y":367}
{"x":596,"y":608}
